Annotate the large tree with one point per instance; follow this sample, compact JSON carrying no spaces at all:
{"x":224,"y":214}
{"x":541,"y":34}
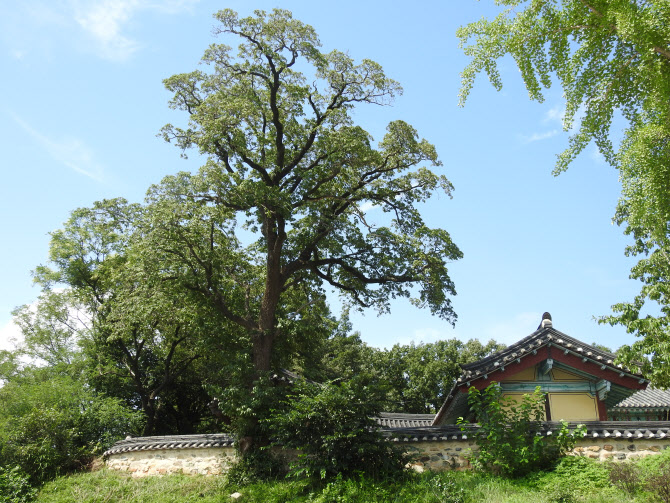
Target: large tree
{"x":608,"y":56}
{"x":131,"y":334}
{"x":289,"y":170}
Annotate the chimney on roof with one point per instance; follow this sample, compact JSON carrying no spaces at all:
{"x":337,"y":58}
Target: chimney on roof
{"x":546,"y":321}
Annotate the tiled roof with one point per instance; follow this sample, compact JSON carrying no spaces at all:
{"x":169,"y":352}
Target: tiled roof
{"x":624,"y":430}
{"x":544,"y":337}
{"x":399,"y":420}
{"x":647,"y":398}
{"x":171,"y":442}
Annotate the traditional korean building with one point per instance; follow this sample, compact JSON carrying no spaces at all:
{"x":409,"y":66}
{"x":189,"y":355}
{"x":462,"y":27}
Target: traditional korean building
{"x":582,"y":382}
{"x":624,"y":419}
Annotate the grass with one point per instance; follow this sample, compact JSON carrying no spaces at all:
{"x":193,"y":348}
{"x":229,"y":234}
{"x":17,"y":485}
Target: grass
{"x":574,"y":481}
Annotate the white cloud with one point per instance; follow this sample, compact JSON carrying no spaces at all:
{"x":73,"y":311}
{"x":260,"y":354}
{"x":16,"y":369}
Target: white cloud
{"x":100,"y":27}
{"x":70,"y":152}
{"x":596,"y":156}
{"x":511,"y":330}
{"x":555,"y":114}
{"x":10,"y":333}
{"x":106,"y":20}
{"x":539,"y":136}
{"x":366,"y":206}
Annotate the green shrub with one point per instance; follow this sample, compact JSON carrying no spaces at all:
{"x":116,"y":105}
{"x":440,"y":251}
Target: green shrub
{"x":15,"y":486}
{"x":333,"y":429}
{"x":509,"y":438}
{"x":654,"y":474}
{"x":256,"y":465}
{"x":50,"y":425}
{"x":658,"y":483}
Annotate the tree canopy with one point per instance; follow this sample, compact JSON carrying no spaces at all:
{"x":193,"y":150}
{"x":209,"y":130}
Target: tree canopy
{"x":286,"y":162}
{"x":609,"y":57}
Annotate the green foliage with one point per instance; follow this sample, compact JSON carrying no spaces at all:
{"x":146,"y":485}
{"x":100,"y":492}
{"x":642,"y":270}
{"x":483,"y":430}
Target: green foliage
{"x":15,"y":486}
{"x":509,"y":436}
{"x":254,"y":466}
{"x":573,"y":479}
{"x":333,"y":429}
{"x":606,"y":55}
{"x":50,"y":330}
{"x":249,"y":408}
{"x":132,"y":334}
{"x":418,"y":377}
{"x":448,"y":490}
{"x":609,"y":57}
{"x":626,"y":476}
{"x":287,"y":160}
{"x":52,"y":424}
{"x":658,"y":483}
{"x":654,"y":476}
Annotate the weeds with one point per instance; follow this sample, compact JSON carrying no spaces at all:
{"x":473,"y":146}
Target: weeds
{"x":626,"y":476}
{"x":658,"y":483}
{"x":447,"y":490}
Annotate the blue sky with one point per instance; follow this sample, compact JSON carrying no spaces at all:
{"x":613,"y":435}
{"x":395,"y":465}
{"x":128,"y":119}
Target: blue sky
{"x":82,"y":102}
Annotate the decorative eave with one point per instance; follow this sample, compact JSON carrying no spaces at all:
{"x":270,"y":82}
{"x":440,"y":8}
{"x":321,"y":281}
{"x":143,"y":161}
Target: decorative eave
{"x":544,"y":344}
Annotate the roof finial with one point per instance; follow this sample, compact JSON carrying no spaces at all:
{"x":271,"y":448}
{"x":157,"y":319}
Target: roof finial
{"x":546,"y":321}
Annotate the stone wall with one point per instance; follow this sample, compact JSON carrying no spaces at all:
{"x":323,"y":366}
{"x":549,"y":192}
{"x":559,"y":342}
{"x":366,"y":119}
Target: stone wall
{"x":189,"y":461}
{"x":432,"y":448}
{"x":609,"y":449}
{"x":440,"y":456}
{"x":455,"y":454}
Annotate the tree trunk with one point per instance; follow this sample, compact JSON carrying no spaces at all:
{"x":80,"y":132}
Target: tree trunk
{"x":262,"y":352}
{"x":150,"y":413}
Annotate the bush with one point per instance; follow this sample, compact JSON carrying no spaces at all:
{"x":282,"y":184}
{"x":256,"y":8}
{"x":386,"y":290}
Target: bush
{"x":658,"y":483}
{"x":50,"y":425}
{"x":255,"y":465}
{"x":15,"y":486}
{"x":574,"y":478}
{"x":625,"y":476}
{"x":509,"y":438}
{"x":333,"y":429}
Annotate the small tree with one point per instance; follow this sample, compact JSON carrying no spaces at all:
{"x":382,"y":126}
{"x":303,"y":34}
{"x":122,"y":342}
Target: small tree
{"x":332,"y":427}
{"x":509,"y":437}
